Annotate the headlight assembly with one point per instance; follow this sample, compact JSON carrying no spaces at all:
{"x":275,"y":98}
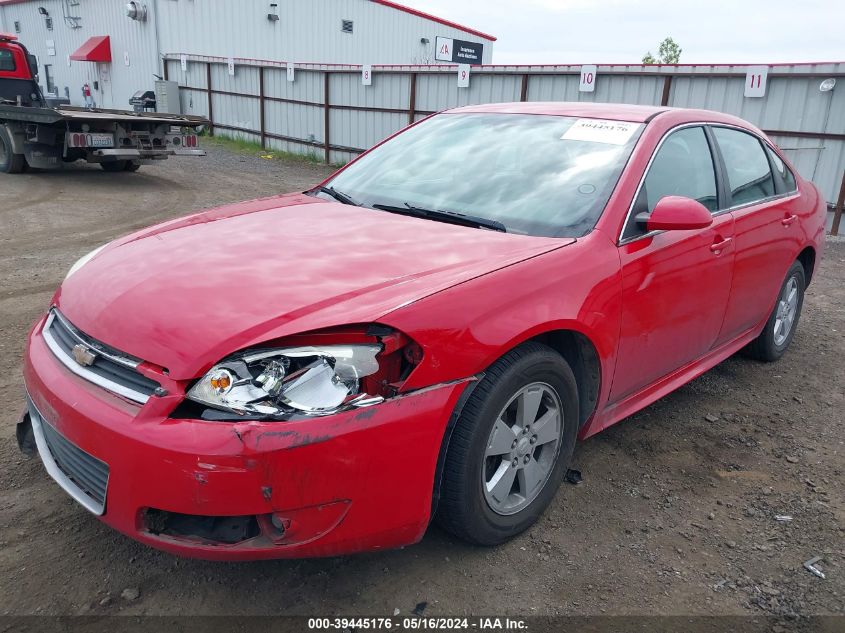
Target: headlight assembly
{"x":315,"y":381}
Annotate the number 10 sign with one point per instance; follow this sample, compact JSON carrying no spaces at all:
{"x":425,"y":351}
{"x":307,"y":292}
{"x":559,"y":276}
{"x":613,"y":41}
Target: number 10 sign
{"x":755,"y":81}
{"x":588,"y":78}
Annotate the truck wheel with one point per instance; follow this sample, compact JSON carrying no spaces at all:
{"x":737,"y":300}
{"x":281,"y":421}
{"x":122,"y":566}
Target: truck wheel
{"x":114,"y":165}
{"x":133,"y":165}
{"x":10,"y":163}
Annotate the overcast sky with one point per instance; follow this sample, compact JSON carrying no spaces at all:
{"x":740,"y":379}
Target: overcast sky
{"x":619,"y":31}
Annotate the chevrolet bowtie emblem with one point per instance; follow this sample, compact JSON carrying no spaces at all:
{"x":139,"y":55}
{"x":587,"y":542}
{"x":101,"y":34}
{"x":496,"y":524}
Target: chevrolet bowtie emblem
{"x":83,"y":355}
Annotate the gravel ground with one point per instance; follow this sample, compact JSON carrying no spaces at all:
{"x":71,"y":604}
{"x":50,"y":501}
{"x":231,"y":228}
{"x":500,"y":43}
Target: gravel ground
{"x":676,"y":515}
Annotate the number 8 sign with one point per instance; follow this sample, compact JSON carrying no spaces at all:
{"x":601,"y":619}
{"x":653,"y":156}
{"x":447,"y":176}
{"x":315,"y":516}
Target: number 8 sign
{"x":588,"y":78}
{"x":755,"y":81}
{"x":463,"y":75}
{"x":367,"y":75}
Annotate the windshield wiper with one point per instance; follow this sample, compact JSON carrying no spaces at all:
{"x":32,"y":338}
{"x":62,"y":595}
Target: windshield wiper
{"x":337,"y":195}
{"x":453,"y":217}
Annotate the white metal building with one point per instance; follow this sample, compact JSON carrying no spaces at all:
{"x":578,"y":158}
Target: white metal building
{"x":307,"y":31}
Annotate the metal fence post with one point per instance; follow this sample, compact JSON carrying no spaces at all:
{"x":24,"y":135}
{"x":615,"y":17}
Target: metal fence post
{"x":667,"y":87}
{"x":326,"y":142}
{"x":837,"y":210}
{"x":262,"y":114}
{"x":412,"y":99}
{"x":210,"y":105}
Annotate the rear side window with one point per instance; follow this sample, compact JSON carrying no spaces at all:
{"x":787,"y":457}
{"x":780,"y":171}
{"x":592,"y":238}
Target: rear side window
{"x":783,"y":175}
{"x":749,"y":175}
{"x":7,"y":60}
{"x":683,"y":166}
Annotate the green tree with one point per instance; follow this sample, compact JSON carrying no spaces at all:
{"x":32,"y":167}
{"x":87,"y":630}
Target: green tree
{"x":667,"y":53}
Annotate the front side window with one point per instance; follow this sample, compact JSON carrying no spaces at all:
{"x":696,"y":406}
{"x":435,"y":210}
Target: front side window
{"x":683,"y":166}
{"x":783,"y":175}
{"x":528,"y":172}
{"x":7,"y":60}
{"x":749,"y":175}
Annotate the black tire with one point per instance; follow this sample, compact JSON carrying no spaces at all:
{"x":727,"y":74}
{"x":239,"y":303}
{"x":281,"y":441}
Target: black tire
{"x":463,"y":509}
{"x":114,"y":165}
{"x":10,"y":163}
{"x":764,"y":347}
{"x":133,"y":165}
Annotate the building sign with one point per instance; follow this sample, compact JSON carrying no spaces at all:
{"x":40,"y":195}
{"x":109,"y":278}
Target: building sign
{"x":458,"y":51}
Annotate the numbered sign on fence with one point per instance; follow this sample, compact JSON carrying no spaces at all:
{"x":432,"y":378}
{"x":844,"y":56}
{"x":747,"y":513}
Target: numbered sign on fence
{"x":231,"y":63}
{"x":463,"y":75}
{"x":183,"y":62}
{"x":755,"y":81}
{"x":367,"y":75}
{"x":290,"y":71}
{"x":588,"y":78}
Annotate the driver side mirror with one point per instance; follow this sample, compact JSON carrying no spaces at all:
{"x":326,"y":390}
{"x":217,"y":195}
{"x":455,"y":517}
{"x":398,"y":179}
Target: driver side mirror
{"x":676,"y":213}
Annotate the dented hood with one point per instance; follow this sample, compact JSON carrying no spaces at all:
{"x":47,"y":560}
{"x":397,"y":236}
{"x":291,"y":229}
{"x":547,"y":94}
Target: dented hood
{"x":188,"y":292}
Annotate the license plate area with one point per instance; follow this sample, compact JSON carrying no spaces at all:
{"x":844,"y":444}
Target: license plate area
{"x":90,"y":139}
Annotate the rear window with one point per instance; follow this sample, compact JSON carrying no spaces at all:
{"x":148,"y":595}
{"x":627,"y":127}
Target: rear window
{"x":782,"y":173}
{"x":7,"y":60}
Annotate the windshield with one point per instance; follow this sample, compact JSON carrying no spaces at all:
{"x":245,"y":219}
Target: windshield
{"x":537,"y":175}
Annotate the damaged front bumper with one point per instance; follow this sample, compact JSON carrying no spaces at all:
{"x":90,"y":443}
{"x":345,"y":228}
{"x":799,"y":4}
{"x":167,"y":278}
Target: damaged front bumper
{"x":355,"y":481}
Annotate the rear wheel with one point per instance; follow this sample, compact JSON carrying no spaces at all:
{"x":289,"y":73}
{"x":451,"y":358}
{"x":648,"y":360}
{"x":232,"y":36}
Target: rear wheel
{"x":133,"y":165}
{"x":10,"y":163}
{"x":780,"y":328}
{"x":114,"y":165}
{"x":510,"y":447}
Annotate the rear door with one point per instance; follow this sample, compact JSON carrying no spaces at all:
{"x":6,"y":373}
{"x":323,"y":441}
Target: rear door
{"x":760,"y":193}
{"x":675,"y":284}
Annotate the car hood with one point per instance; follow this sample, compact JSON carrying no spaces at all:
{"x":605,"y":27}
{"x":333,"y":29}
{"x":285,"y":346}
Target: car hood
{"x":188,"y":292}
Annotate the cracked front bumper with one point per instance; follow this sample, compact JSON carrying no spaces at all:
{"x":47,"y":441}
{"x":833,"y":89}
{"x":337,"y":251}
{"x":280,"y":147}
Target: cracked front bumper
{"x":356,"y":481}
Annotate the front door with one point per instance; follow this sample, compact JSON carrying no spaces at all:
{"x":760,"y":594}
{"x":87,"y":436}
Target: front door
{"x":675,"y":284}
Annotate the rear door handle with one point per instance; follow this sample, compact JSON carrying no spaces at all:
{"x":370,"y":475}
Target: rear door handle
{"x":788,"y":220}
{"x":718,"y":247}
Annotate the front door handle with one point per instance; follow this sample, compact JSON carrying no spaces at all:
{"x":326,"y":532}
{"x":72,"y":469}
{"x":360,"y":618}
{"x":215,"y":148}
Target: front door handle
{"x":718,"y":247}
{"x":788,"y":220}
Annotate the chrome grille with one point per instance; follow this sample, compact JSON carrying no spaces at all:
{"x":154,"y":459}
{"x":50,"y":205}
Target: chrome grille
{"x":113,"y":370}
{"x":80,"y":474}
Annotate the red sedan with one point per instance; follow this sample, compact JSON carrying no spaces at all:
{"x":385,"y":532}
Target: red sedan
{"x":423,"y":336}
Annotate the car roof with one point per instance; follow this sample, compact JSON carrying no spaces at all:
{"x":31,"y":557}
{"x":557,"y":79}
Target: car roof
{"x":610,"y":111}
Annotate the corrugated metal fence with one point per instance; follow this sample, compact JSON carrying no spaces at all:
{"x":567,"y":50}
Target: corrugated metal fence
{"x":328,"y":111}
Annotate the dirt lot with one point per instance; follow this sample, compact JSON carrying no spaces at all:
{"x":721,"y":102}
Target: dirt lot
{"x":676,"y":514}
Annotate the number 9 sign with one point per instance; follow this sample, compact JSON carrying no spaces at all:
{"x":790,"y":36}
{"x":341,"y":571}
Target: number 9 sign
{"x":463,"y":75}
{"x":367,"y":75}
{"x":588,"y":78}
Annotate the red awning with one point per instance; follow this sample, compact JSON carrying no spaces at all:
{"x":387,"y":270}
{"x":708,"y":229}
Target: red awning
{"x":96,"y":49}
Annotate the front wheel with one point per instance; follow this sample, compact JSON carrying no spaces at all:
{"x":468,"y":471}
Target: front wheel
{"x":510,"y":447}
{"x":133,"y":165}
{"x":783,"y":321}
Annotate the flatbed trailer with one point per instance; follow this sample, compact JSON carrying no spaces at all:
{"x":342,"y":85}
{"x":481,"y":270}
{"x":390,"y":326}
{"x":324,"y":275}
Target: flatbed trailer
{"x":34,"y":135}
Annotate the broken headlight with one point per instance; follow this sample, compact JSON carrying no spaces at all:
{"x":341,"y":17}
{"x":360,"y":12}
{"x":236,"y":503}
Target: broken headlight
{"x":307,"y":380}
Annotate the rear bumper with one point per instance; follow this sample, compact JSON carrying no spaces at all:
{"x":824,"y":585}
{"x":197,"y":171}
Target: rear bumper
{"x":144,"y":154}
{"x":357,"y":481}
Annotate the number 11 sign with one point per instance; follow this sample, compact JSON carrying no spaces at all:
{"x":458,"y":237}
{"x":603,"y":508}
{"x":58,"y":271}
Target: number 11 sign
{"x":755,"y":81}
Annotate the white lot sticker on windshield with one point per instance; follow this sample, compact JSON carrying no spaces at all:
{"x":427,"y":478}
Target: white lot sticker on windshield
{"x":601,"y":131}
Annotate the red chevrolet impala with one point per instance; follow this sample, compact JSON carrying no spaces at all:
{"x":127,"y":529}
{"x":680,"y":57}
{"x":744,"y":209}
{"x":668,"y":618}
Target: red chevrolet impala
{"x":423,"y":336}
